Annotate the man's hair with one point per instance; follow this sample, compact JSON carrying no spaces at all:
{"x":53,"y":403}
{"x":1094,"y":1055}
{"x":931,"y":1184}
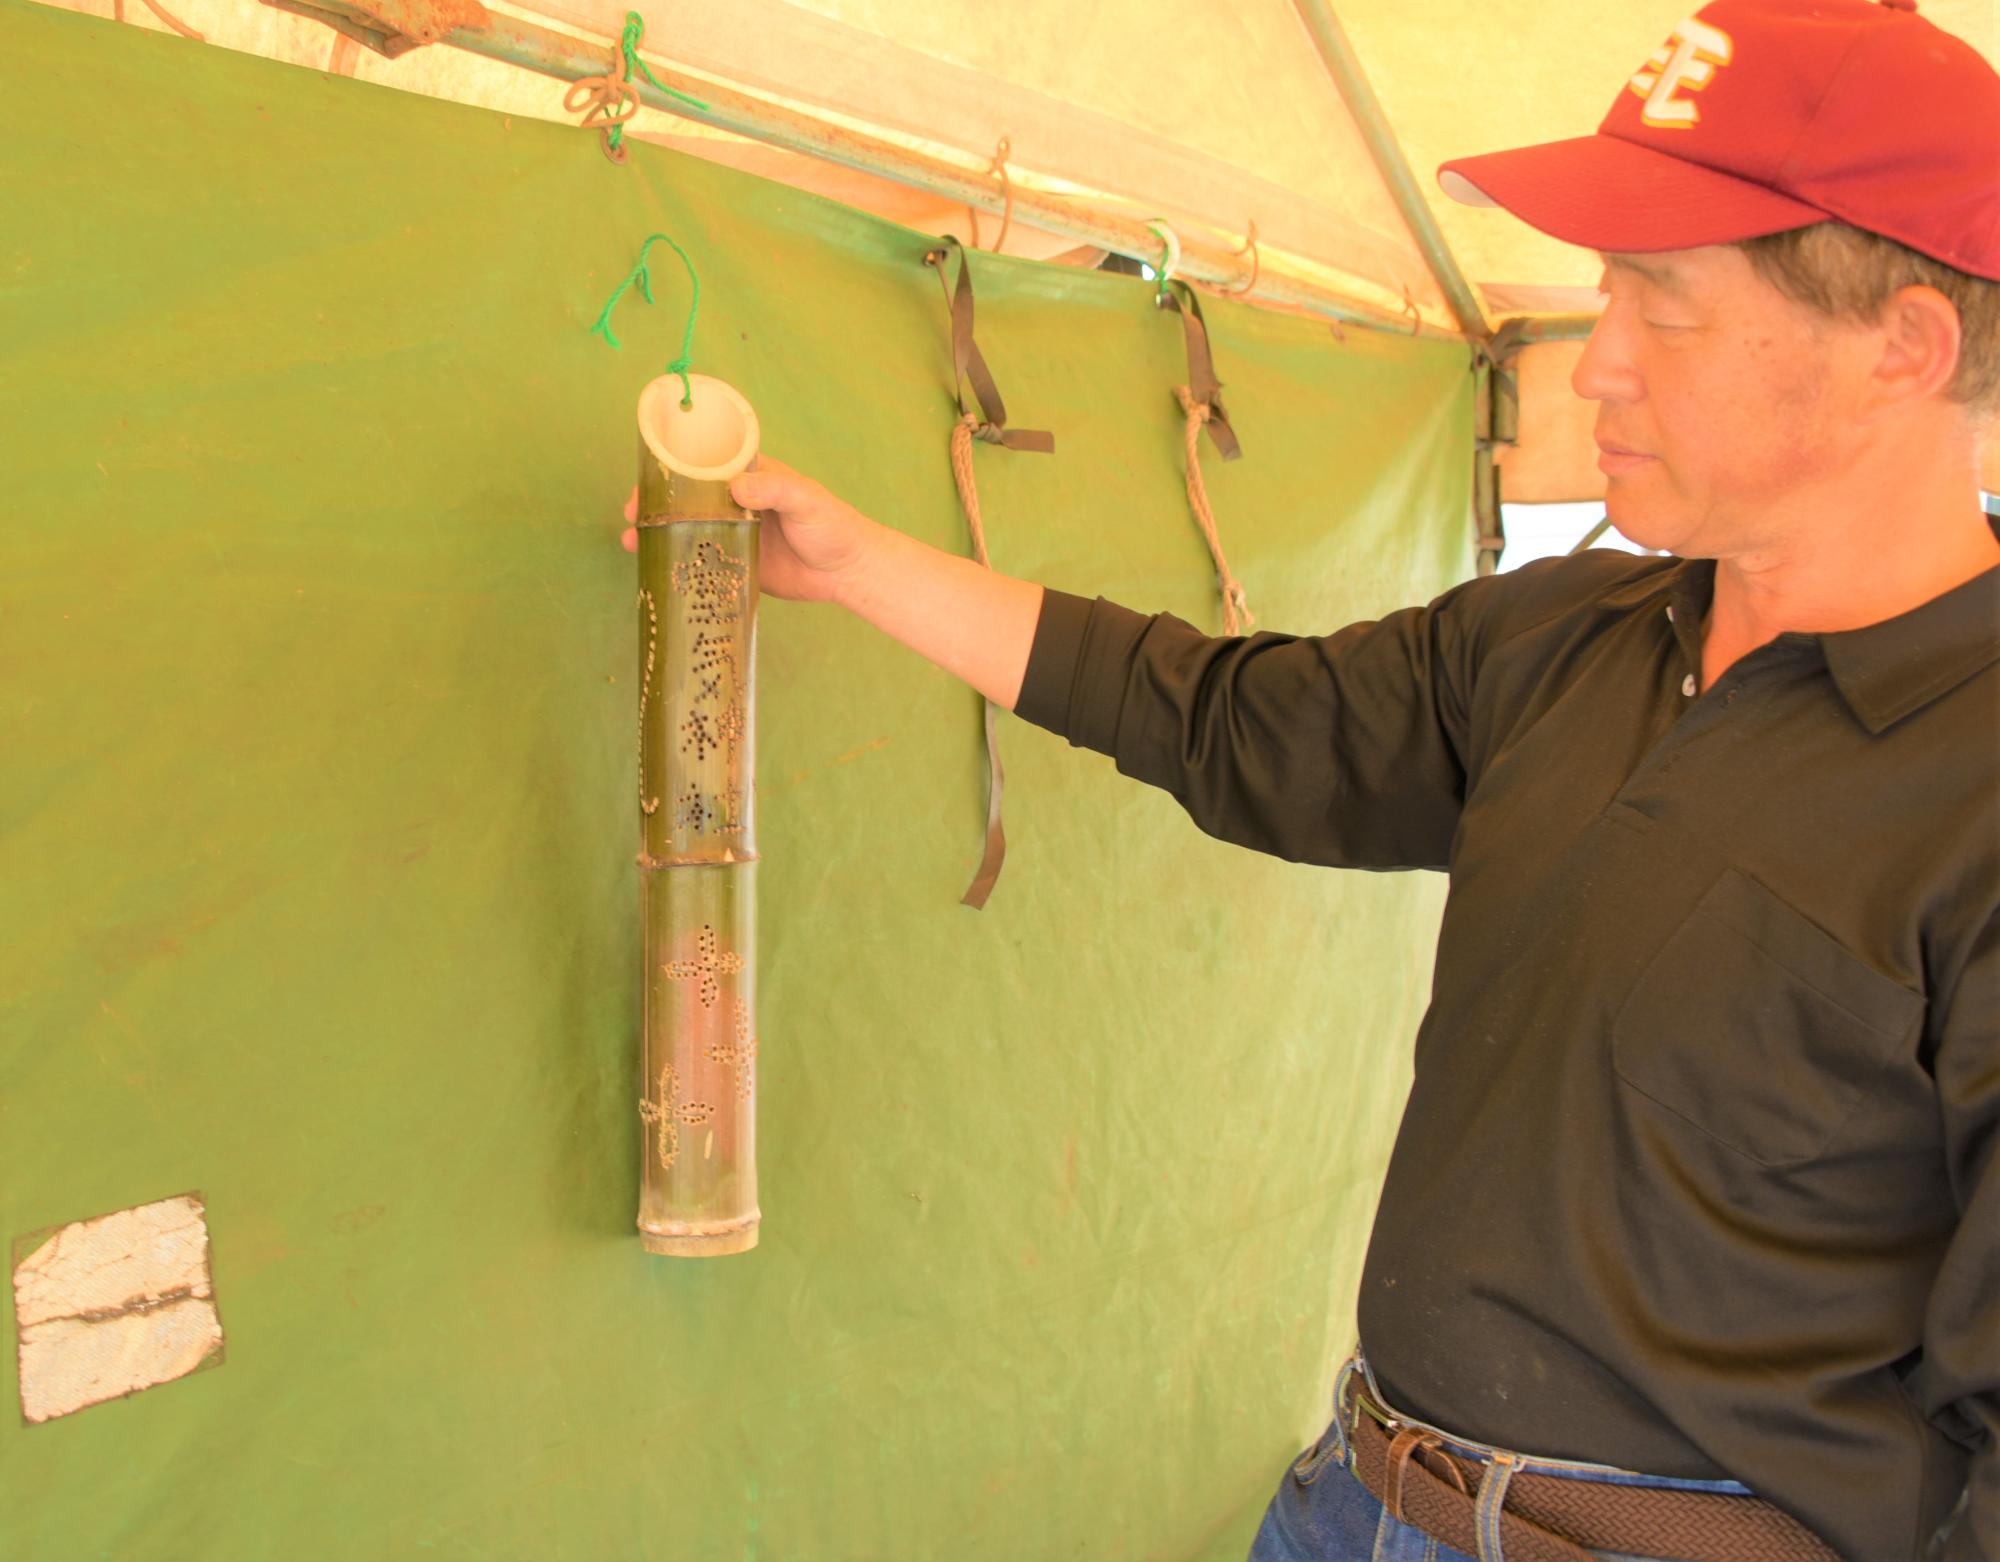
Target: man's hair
{"x":1847,"y":273}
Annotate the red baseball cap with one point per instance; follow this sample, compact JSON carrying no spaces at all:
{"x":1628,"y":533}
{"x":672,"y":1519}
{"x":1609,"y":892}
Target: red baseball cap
{"x":1760,"y":115}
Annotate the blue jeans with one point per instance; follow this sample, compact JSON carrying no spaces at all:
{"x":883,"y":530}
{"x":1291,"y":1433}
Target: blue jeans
{"x":1322,"y":1512}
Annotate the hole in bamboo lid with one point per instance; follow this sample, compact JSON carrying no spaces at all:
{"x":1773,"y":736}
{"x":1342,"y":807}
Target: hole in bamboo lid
{"x":711,"y":440}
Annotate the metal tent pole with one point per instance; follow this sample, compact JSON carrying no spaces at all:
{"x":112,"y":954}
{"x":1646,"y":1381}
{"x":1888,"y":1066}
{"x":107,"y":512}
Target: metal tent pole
{"x":1526,"y":330}
{"x":1345,"y":67}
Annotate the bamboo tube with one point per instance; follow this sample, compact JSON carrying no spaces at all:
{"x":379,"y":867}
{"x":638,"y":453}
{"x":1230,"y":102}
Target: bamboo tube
{"x":697,"y":800}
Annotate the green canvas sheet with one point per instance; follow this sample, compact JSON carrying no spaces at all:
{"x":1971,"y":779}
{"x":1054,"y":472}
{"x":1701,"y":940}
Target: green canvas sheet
{"x":317,"y":891}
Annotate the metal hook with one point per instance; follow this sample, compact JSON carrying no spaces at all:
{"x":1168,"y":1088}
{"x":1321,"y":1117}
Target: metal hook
{"x":1249,"y":248}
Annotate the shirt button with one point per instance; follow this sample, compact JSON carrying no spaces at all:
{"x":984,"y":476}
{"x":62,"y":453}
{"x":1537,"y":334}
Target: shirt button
{"x":1687,"y":686}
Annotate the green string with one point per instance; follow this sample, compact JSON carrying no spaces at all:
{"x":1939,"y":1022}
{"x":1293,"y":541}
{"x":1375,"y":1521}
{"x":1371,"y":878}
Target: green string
{"x":1161,"y":276}
{"x":635,"y":29}
{"x":644,"y":278}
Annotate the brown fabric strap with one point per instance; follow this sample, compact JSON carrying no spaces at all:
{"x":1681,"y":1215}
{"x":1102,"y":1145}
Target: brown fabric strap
{"x":988,"y":872}
{"x":1202,"y":383}
{"x":988,"y":424}
{"x":968,"y":364}
{"x":1548,"y":1518}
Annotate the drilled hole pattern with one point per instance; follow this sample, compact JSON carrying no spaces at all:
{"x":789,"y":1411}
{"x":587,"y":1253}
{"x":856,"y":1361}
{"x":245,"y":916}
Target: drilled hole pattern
{"x":740,"y":1054}
{"x":692,"y":811}
{"x":700,"y":734}
{"x":714,"y":584}
{"x":711,"y":963}
{"x":668,"y":1112}
{"x":703,"y":732}
{"x":646,"y":805}
{"x":696,"y":811}
{"x":715,"y":588}
{"x":713,"y":658}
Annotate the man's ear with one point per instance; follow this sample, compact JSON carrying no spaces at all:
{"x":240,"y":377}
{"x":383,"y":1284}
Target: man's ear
{"x":1920,"y":347}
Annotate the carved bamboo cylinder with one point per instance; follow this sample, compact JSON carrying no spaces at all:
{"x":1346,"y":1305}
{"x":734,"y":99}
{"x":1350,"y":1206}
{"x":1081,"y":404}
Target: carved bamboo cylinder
{"x":697,"y":800}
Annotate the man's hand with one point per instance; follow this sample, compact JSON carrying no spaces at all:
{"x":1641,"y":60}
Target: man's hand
{"x":812,"y":541}
{"x":975,"y":624}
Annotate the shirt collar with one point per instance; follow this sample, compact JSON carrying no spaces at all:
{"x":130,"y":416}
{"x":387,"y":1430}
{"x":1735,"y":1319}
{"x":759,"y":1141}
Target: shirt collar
{"x":1887,"y":670}
{"x":1884,"y":671}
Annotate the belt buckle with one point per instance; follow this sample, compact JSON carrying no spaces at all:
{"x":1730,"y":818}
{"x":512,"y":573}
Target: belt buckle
{"x":1414,"y":1440}
{"x":1357,"y":1386}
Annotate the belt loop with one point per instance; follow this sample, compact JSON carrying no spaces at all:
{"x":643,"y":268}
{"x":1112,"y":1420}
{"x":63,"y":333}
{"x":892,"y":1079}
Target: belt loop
{"x":1342,"y":1381}
{"x":1492,"y":1498}
{"x":1368,"y":1376}
{"x":1406,"y":1445}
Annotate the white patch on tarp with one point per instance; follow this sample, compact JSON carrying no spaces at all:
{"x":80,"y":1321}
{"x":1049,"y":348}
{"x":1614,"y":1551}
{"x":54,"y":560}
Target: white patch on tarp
{"x":106,"y":1307}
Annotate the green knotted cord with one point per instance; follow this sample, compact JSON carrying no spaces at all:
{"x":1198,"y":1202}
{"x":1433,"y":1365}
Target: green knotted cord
{"x":644,"y":278}
{"x":1169,"y":261}
{"x":635,"y":29}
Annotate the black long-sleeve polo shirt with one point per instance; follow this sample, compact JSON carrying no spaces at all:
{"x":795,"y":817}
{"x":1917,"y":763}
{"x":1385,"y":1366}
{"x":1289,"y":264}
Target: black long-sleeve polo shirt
{"x":1697,"y":1175}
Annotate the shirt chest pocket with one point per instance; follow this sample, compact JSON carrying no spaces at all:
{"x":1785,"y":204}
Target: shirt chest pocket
{"x":1759,"y":1028}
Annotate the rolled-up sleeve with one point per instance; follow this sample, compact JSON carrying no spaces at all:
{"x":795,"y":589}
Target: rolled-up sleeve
{"x":1343,"y":749}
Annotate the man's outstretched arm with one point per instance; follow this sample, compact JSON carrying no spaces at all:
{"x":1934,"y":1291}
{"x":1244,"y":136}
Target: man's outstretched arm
{"x":1340,"y":749}
{"x":974,"y":623}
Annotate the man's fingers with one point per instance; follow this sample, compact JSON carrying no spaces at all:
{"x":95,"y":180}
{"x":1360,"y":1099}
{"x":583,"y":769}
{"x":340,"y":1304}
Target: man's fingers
{"x":769,"y":485}
{"x":753,"y":490}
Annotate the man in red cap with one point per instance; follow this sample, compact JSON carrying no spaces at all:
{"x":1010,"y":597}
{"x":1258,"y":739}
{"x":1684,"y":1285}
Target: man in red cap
{"x":1690,"y":1244}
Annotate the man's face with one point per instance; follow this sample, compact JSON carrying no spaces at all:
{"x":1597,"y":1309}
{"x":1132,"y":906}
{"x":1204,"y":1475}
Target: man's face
{"x":1718,"y":400}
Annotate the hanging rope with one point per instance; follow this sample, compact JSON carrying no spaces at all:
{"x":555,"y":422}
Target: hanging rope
{"x":1256,"y":263}
{"x":998,"y":167}
{"x":988,"y":424}
{"x":962,"y":433}
{"x":640,"y":275}
{"x":172,"y":21}
{"x":607,"y":101}
{"x":1201,"y":407}
{"x":1236,"y":615}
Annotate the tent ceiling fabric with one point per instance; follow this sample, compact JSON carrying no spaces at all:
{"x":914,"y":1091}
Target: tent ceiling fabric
{"x":1214,"y":116}
{"x":1211,"y":116}
{"x":251,"y":28}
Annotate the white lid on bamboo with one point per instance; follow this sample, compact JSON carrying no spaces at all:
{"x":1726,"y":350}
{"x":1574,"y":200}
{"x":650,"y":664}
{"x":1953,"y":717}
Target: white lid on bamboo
{"x":711,"y":440}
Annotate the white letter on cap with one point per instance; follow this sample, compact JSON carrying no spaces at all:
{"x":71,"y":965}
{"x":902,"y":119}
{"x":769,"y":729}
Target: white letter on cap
{"x":1687,"y":59}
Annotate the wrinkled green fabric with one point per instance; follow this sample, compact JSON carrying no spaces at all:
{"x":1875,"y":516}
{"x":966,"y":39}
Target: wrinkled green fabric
{"x":317,"y":891}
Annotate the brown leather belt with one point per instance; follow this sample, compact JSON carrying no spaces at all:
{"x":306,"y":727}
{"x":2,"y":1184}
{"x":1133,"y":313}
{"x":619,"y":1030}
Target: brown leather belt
{"x":1552,"y":1518}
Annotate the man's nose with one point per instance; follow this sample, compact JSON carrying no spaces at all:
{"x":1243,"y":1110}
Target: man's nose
{"x":1605,"y":372}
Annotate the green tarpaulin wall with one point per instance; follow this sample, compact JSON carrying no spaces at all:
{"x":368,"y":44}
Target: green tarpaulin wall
{"x":317,"y":892}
